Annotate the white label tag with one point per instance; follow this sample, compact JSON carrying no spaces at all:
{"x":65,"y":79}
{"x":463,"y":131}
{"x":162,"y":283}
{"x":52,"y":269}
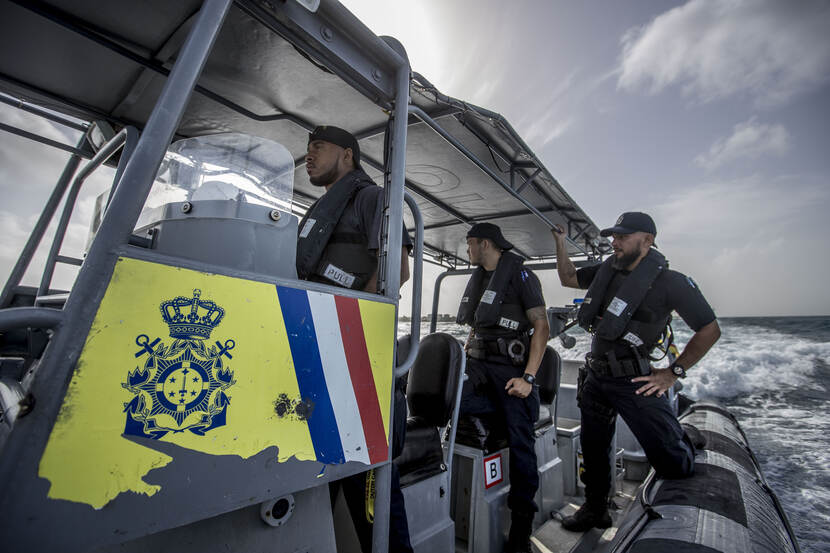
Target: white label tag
{"x":507,"y":323}
{"x":633,"y":338}
{"x":488,"y":296}
{"x":309,"y":224}
{"x":339,"y":276}
{"x":616,"y":306}
{"x":492,"y":470}
{"x":465,"y":299}
{"x":587,"y":300}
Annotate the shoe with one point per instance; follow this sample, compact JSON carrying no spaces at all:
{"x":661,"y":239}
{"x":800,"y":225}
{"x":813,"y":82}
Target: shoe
{"x":587,"y":517}
{"x":521,"y":526}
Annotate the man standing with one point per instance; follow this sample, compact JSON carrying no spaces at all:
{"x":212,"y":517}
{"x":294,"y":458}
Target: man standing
{"x":339,"y":236}
{"x":630,"y":298}
{"x":503,"y":304}
{"x":337,"y":244}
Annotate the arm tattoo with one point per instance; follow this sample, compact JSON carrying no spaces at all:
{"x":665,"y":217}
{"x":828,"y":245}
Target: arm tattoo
{"x":536,"y":313}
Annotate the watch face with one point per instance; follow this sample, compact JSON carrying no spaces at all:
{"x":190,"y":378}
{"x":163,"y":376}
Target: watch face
{"x":677,"y":370}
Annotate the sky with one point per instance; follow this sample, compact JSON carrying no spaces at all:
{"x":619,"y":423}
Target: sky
{"x":711,"y":115}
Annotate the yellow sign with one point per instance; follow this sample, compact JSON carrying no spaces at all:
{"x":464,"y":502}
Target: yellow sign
{"x":220,"y":365}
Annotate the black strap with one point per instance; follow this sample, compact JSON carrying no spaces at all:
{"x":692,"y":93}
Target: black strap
{"x":632,"y":292}
{"x":475,"y":312}
{"x":617,"y":368}
{"x":326,"y":212}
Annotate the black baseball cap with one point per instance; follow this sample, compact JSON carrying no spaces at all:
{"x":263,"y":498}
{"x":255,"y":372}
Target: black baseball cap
{"x":490,"y":232}
{"x":632,"y":221}
{"x":338,"y":136}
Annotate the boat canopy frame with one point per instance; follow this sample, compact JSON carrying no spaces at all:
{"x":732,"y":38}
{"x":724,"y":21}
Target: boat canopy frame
{"x":177,"y":70}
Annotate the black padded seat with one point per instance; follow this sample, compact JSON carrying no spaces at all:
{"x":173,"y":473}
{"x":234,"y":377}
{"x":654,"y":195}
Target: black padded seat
{"x":481,"y":432}
{"x":548,"y":376}
{"x":422,"y":455}
{"x":430,"y":394}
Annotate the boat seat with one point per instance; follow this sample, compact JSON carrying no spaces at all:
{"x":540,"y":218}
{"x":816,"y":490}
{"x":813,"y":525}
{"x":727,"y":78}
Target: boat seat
{"x":422,"y":455}
{"x":486,"y":432}
{"x":430,"y":395}
{"x":548,"y":378}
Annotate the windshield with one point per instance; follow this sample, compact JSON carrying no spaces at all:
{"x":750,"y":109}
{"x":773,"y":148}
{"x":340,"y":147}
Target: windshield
{"x":230,"y":166}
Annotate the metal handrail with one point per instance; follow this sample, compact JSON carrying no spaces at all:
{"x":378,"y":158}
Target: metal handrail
{"x":456,"y":413}
{"x":424,"y":116}
{"x":417,"y":286}
{"x":34,"y":317}
{"x":127,"y":138}
{"x":39,"y":229}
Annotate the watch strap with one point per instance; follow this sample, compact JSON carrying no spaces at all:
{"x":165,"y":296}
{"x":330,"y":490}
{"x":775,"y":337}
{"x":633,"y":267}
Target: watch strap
{"x":681,"y":373}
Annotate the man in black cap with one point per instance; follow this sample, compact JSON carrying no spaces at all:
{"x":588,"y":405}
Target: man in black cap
{"x":339,"y":237}
{"x":337,"y":244}
{"x":503,"y":304}
{"x":630,"y":298}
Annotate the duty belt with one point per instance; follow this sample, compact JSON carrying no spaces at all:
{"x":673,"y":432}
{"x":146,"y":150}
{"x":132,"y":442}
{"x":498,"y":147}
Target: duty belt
{"x":618,"y":368}
{"x":481,"y":348}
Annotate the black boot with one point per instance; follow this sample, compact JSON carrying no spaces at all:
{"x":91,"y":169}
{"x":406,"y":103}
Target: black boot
{"x":521,"y":526}
{"x":588,"y":516}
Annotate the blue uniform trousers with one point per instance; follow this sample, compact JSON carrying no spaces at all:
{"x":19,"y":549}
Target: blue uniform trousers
{"x":650,"y":419}
{"x":484,"y":394}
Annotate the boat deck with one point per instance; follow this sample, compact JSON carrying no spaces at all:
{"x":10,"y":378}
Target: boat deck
{"x":552,"y":538}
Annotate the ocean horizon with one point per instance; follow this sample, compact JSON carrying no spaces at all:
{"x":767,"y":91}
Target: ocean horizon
{"x":773,"y":374}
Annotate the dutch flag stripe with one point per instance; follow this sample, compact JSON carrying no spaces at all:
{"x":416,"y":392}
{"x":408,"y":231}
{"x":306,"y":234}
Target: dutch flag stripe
{"x":338,"y":377}
{"x":360,"y":369}
{"x":302,"y":338}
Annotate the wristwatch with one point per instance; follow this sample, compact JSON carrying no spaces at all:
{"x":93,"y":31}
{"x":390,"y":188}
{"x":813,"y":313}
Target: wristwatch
{"x":678,"y":370}
{"x":529,"y":378}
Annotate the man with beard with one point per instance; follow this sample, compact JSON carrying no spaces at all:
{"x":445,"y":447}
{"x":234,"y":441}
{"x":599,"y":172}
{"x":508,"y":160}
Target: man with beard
{"x":337,"y":244}
{"x":339,"y":236}
{"x":630,"y":298}
{"x":503,"y":304}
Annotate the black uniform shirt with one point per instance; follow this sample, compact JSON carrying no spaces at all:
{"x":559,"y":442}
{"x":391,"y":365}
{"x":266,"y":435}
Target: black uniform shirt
{"x":671,"y":291}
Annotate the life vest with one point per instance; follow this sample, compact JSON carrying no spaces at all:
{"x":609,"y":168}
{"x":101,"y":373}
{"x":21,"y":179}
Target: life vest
{"x":616,"y":323}
{"x":487,"y":312}
{"x":330,"y":246}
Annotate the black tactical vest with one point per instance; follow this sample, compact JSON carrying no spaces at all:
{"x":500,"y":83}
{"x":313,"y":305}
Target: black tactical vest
{"x":486,"y":311}
{"x":615,"y":324}
{"x":330,"y":245}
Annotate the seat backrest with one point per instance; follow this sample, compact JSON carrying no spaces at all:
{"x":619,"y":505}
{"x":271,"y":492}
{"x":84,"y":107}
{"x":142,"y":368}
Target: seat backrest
{"x":434,"y":379}
{"x":548,"y":376}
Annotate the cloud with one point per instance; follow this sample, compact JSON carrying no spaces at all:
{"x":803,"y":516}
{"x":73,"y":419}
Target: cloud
{"x":28,"y":173}
{"x":767,"y":50}
{"x":751,"y":243}
{"x":554,"y":117}
{"x":749,"y":140}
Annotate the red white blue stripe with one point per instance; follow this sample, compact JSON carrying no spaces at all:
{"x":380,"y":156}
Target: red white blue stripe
{"x":331,"y":360}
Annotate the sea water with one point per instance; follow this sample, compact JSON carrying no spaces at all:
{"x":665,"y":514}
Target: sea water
{"x":773,"y":373}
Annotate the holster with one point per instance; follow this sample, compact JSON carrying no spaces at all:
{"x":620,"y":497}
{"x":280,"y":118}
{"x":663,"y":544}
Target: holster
{"x":636,"y":365}
{"x":580,"y":384}
{"x":476,"y":377}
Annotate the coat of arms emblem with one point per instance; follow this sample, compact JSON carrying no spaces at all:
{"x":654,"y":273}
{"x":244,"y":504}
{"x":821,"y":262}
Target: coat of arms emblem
{"x":181,"y":387}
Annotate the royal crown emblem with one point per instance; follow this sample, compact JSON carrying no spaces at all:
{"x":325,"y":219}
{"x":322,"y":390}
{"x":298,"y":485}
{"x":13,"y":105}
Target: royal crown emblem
{"x":181,"y":387}
{"x":191,"y":318}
